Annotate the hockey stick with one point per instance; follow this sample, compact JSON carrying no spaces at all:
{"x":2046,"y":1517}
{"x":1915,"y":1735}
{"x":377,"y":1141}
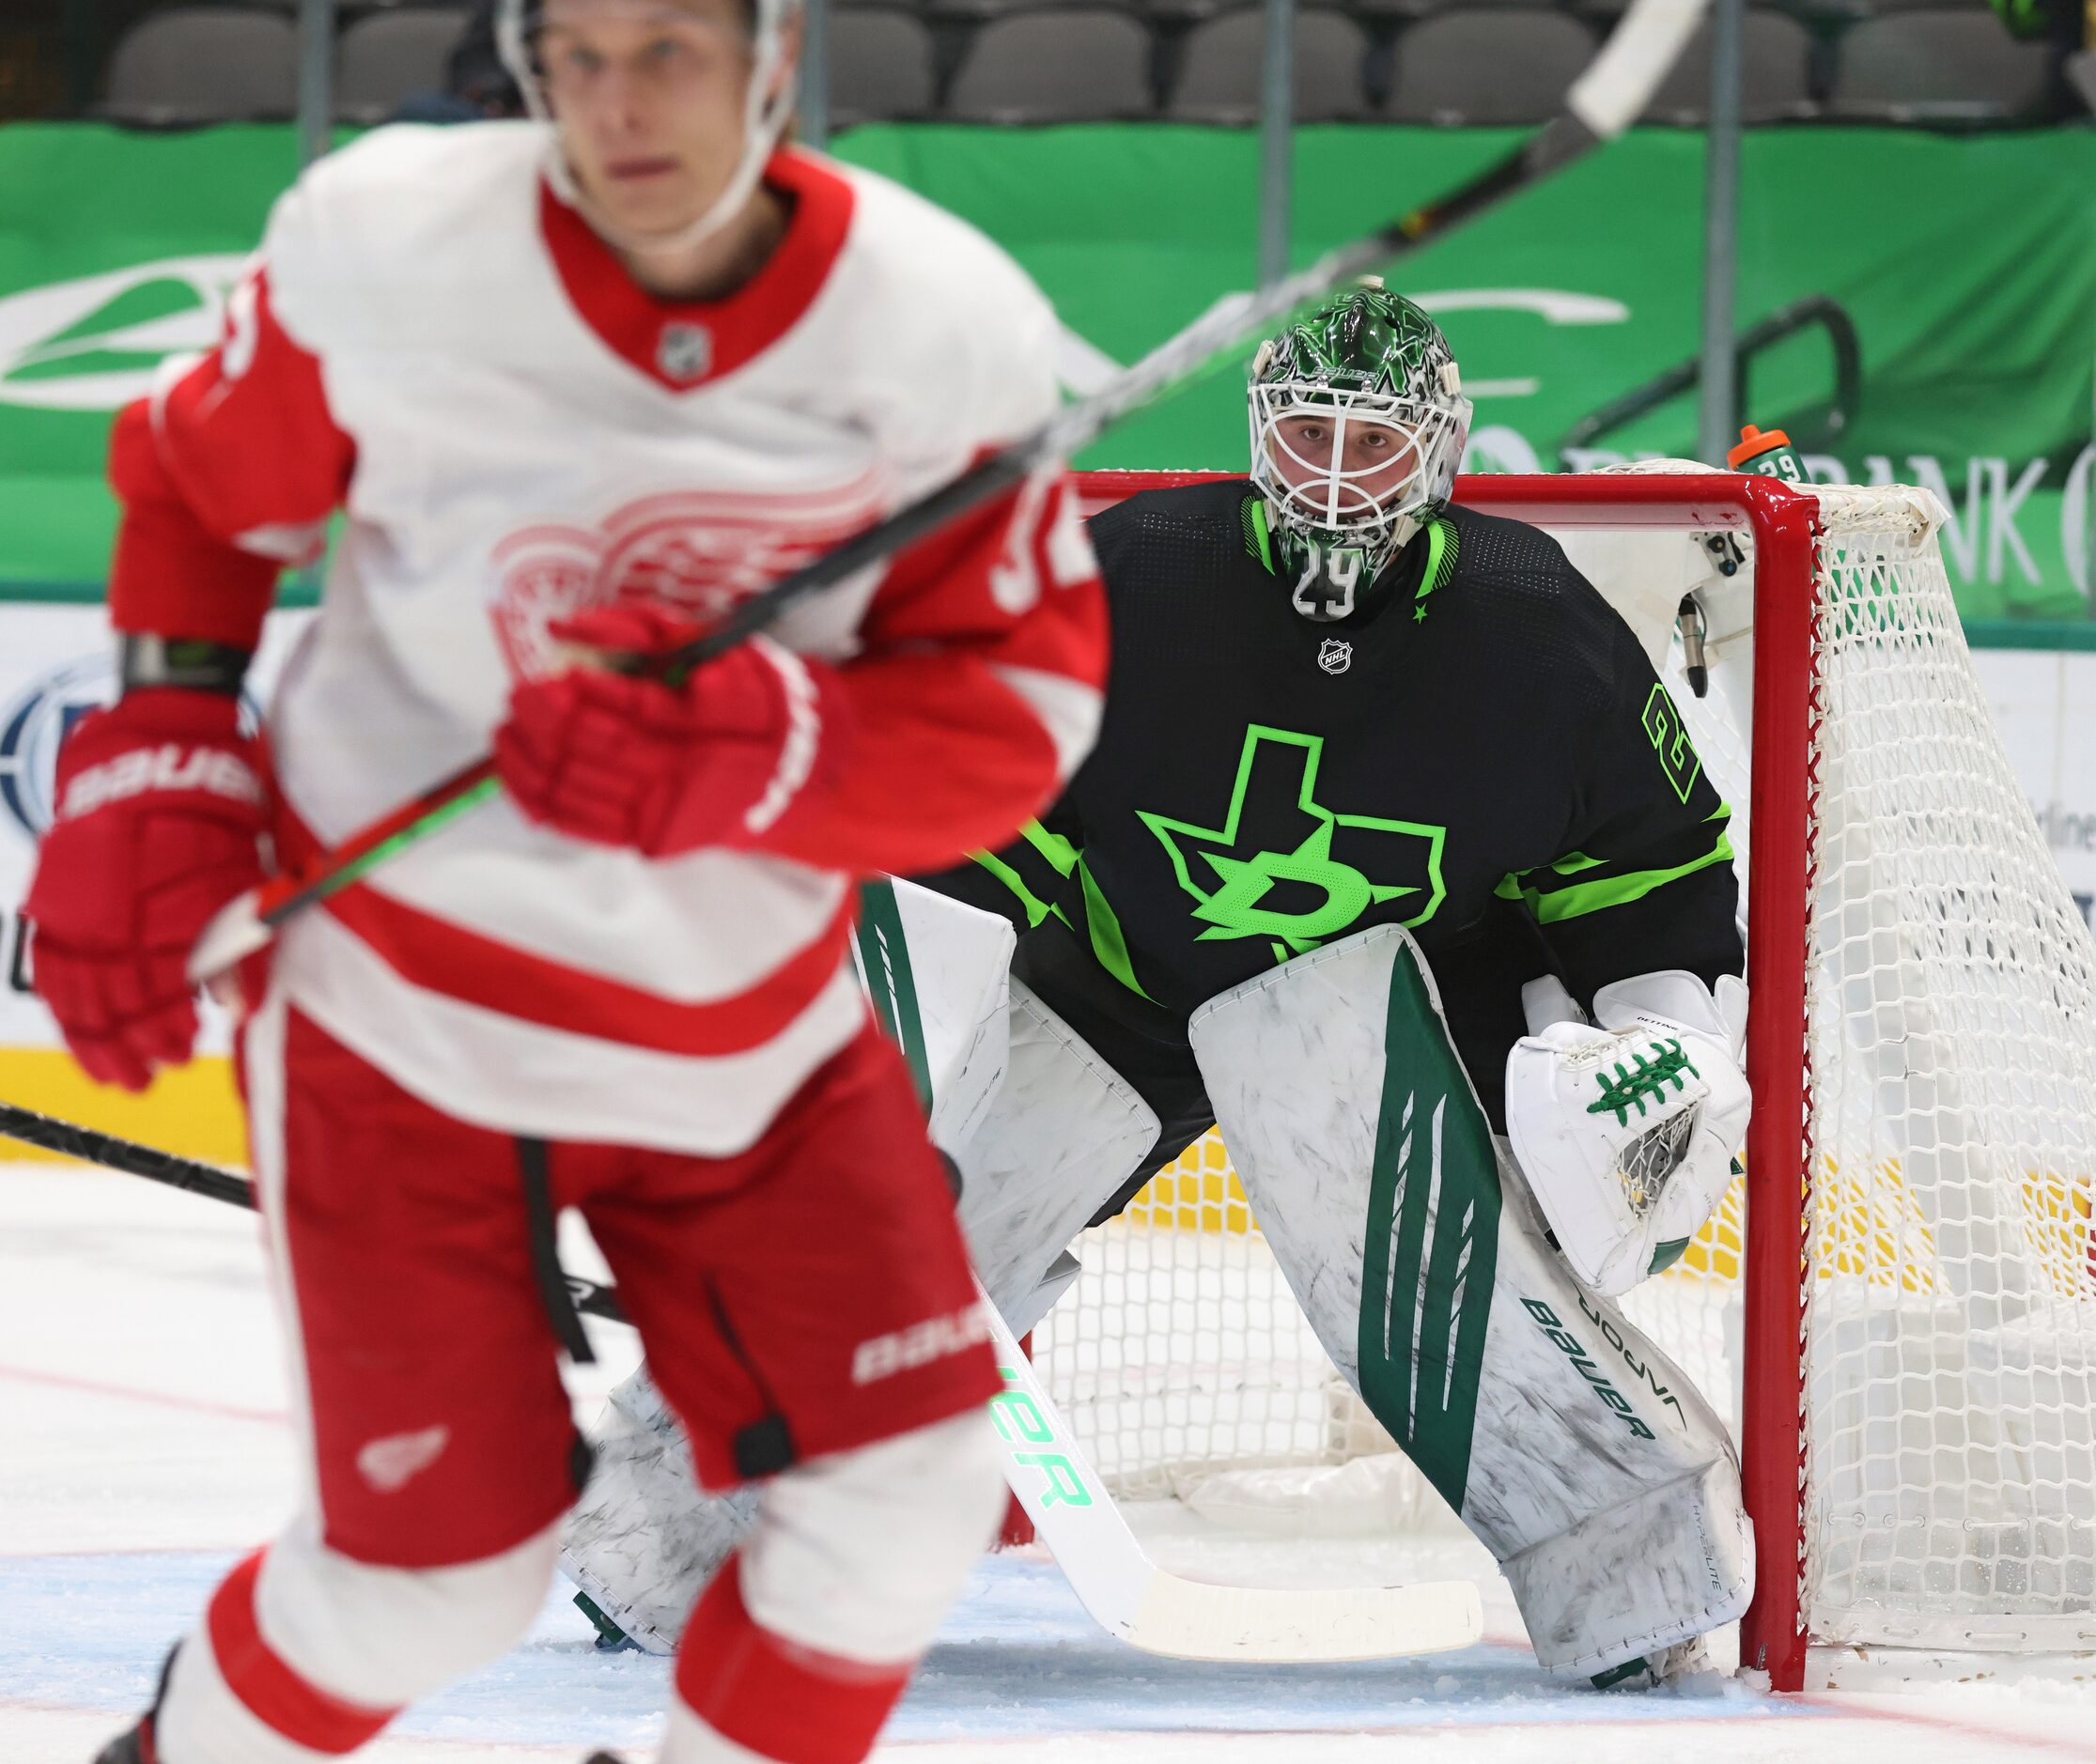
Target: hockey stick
{"x":1125,"y":1593}
{"x":1130,"y":1597}
{"x":1599,"y":106}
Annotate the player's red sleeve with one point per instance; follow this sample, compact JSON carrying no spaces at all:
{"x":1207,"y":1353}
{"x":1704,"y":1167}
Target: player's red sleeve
{"x":225,"y":474}
{"x":976,"y":693}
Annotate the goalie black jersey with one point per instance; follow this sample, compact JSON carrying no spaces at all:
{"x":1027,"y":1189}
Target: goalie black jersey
{"x":1481,"y":752}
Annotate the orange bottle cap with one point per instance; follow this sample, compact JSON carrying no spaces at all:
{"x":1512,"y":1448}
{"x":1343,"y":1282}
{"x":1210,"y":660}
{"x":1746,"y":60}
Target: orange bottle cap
{"x":1753,"y":442}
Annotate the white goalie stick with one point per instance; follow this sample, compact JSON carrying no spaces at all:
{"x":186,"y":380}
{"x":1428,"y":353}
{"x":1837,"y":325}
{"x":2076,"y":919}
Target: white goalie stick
{"x":1131,"y":1598}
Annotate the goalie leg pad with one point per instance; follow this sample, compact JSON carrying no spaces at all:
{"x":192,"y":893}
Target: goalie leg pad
{"x":643,"y":1541}
{"x":1547,"y":1422}
{"x":934,"y":969}
{"x":1062,"y":1134}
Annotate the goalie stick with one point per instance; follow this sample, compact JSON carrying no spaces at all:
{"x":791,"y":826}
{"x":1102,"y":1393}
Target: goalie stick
{"x":1127,"y":1593}
{"x":1130,"y":1597}
{"x":1601,"y":103}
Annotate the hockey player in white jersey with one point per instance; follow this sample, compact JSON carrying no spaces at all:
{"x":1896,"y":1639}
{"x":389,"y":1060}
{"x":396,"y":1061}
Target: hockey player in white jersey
{"x":579,"y":385}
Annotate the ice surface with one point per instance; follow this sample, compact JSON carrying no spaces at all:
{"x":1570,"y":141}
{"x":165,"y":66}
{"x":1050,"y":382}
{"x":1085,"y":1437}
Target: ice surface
{"x":144,"y":1445}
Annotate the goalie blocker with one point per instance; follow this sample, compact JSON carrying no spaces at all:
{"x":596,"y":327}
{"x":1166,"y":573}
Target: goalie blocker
{"x":1601,"y":1480}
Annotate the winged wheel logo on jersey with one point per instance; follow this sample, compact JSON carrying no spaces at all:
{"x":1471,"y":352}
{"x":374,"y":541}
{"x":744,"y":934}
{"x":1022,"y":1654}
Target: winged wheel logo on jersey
{"x":391,"y":1464}
{"x":1335,"y":655}
{"x":693,"y":552}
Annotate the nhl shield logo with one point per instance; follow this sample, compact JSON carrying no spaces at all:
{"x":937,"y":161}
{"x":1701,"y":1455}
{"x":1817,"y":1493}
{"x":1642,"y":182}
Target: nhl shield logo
{"x":1335,"y":655}
{"x":684,"y":352}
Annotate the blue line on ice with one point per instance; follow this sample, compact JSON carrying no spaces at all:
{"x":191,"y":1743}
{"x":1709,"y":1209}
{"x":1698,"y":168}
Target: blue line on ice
{"x":1017,"y":1657}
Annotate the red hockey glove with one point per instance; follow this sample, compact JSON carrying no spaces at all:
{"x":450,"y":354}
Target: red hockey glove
{"x":719,"y":759}
{"x":161,"y":812}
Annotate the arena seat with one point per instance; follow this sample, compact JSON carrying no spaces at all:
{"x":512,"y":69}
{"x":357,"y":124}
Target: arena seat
{"x":1939,"y":66}
{"x":1080,"y":64}
{"x":1493,"y":65}
{"x":881,"y":66}
{"x":392,"y":56}
{"x":204,"y":64}
{"x":1218,"y":78}
{"x":1776,"y":74}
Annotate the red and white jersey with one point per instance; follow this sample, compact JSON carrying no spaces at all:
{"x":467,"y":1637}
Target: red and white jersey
{"x":432,"y":342}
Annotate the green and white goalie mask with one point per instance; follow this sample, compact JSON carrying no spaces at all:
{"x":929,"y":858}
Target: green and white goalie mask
{"x":1359,"y":422}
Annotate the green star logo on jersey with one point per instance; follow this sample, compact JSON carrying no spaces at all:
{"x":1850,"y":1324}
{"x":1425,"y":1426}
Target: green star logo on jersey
{"x":1286,"y":867}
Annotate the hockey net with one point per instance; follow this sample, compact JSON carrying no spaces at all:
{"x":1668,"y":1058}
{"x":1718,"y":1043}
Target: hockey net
{"x":1914,"y":1413}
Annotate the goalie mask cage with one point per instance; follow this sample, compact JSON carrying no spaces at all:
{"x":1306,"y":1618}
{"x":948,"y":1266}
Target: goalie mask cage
{"x":1903,"y":1333}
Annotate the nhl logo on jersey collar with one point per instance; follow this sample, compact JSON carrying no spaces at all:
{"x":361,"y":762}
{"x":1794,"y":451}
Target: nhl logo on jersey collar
{"x":684,"y":351}
{"x":1335,"y":655}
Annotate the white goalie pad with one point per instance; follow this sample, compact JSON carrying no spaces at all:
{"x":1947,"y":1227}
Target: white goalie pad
{"x":1602,"y":1482}
{"x":1626,"y":1131}
{"x":1062,"y":1133}
{"x":643,"y":1540}
{"x":947,"y":979}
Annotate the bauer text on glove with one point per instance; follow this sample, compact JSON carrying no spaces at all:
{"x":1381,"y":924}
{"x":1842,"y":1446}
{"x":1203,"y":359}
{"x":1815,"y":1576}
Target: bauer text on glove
{"x":161,"y":807}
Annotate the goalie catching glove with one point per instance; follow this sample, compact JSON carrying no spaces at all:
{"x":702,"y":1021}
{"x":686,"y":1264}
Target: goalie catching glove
{"x":1626,"y":1131}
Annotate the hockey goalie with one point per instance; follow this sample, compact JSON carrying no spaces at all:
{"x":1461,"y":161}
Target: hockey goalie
{"x":579,"y":385}
{"x":1392,"y":858}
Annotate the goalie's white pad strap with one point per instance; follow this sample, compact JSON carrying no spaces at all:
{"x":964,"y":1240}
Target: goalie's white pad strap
{"x":1626,"y":1131}
{"x":1548,"y":1421}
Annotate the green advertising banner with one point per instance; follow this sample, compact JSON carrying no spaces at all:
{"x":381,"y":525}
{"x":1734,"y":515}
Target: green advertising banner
{"x":1965,"y":266}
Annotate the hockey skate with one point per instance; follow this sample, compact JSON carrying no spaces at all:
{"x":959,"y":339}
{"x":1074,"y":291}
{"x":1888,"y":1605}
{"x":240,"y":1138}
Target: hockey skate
{"x":1653,"y":1671}
{"x":611,"y":1639}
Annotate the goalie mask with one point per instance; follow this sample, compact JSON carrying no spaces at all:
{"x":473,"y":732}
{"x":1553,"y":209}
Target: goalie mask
{"x":1358,"y":424}
{"x":767,"y":106}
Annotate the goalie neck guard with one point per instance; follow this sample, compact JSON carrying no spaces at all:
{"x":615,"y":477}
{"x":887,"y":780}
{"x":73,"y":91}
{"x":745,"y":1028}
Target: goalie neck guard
{"x":1358,"y":424}
{"x":767,"y":107}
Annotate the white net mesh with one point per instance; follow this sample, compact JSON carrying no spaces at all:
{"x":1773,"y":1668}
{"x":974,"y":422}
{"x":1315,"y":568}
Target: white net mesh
{"x":1952,"y":1047}
{"x":1951,"y":1338}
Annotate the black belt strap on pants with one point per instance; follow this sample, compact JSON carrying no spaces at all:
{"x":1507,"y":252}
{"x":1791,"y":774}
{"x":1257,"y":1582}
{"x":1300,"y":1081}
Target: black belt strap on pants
{"x":539,"y":1223}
